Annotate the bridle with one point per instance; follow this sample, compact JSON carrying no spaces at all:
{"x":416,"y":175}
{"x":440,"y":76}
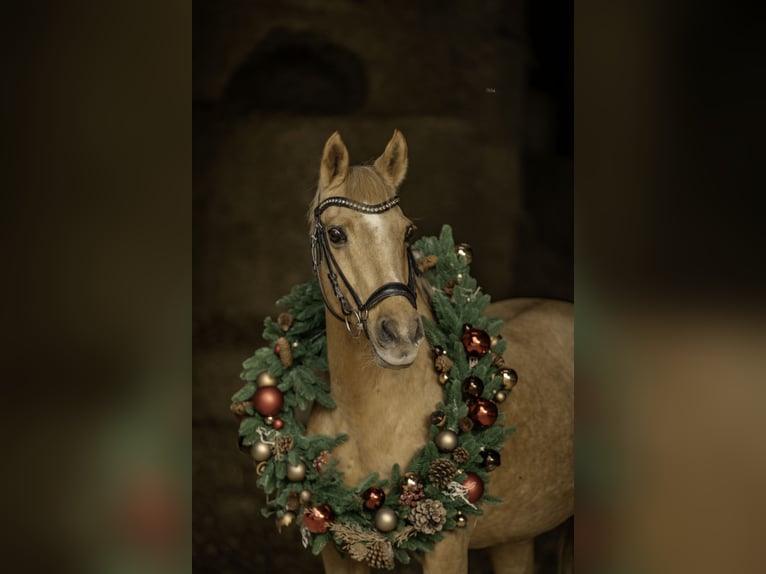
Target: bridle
{"x":320,"y":249}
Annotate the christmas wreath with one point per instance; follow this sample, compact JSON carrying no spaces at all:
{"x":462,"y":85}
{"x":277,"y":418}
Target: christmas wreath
{"x":379,"y":521}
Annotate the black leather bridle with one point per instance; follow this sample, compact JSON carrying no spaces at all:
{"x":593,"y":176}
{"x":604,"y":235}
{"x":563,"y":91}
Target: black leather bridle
{"x":320,"y":249}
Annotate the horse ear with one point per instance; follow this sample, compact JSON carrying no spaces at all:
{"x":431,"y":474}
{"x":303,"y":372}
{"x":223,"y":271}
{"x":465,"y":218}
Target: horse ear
{"x":334,"y":166}
{"x":392,"y":165}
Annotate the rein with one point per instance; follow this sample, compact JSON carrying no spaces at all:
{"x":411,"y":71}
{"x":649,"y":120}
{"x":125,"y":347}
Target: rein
{"x":320,"y":250}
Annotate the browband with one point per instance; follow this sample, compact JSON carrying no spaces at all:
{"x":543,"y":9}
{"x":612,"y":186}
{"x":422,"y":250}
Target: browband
{"x":356,"y":205}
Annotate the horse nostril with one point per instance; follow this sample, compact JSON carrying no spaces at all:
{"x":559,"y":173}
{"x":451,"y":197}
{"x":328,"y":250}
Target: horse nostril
{"x":418,"y":332}
{"x":387,"y":333}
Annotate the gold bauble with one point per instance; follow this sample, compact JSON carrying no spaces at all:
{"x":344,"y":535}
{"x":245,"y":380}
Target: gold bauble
{"x":265,"y":380}
{"x":385,"y":519}
{"x":260,"y":451}
{"x":296,"y":472}
{"x":287,"y":519}
{"x":500,"y":396}
{"x":305,"y":496}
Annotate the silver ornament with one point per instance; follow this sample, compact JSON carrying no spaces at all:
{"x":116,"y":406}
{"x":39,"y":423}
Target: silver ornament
{"x":260,"y":451}
{"x":500,"y":396}
{"x":446,"y":440}
{"x":296,"y":472}
{"x":385,"y":519}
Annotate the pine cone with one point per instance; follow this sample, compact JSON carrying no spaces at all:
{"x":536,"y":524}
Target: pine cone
{"x":239,"y":409}
{"x":284,"y":444}
{"x":460,"y":455}
{"x":321,"y":460}
{"x":285,"y":321}
{"x":465,"y":424}
{"x":411,"y":496}
{"x":285,"y":352}
{"x":380,"y":554}
{"x":428,"y":516}
{"x":427,"y":262}
{"x":443,"y":364}
{"x":441,"y":472}
{"x":358,"y":552}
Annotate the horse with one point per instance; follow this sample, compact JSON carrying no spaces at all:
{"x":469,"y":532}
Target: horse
{"x":382,"y":373}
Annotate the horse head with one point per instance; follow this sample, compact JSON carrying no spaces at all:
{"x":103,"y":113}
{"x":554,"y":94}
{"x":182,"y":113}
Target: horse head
{"x":360,"y":248}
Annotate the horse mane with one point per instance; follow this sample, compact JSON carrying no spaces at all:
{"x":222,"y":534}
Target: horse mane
{"x":362,"y":183}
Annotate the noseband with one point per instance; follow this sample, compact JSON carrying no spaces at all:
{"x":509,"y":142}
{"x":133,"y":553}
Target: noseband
{"x":320,"y":249}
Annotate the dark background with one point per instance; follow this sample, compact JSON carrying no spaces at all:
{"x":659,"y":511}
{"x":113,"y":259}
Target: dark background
{"x":483,"y":94}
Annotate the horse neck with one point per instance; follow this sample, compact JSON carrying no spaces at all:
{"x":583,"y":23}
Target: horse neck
{"x":383,"y":410}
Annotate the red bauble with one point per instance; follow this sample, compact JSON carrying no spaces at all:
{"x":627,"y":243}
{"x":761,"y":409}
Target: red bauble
{"x":472,"y":387}
{"x":474,"y":485}
{"x":318,"y":518}
{"x":475,"y":342}
{"x":268,"y":401}
{"x":373,"y":497}
{"x":482,"y":412}
{"x":278,"y":424}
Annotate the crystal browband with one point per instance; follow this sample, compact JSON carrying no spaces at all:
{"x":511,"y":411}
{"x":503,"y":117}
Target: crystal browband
{"x":356,"y":205}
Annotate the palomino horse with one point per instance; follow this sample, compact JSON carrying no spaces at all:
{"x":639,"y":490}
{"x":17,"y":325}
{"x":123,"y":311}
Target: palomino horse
{"x":382,"y":374}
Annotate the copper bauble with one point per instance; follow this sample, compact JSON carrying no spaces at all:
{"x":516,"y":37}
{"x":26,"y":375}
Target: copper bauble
{"x":443,"y":378}
{"x":446,"y":440}
{"x":268,"y":401}
{"x":475,"y":342}
{"x":318,"y":518}
{"x":296,"y":472}
{"x":278,"y":423}
{"x":474,"y":486}
{"x":373,"y":497}
{"x":472,"y":387}
{"x":482,"y":412}
{"x":385,"y":519}
{"x":260,"y":451}
{"x":265,"y":380}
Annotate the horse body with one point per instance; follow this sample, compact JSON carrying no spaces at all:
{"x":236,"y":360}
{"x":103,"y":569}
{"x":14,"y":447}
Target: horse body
{"x":385,"y":387}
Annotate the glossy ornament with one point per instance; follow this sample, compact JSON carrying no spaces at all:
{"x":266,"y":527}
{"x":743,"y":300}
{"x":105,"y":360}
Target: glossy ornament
{"x":443,"y":378}
{"x":305,"y":496}
{"x":472,"y":387}
{"x":278,"y":424}
{"x":482,"y":412}
{"x":475,"y":342}
{"x":460,"y":520}
{"x":268,"y":401}
{"x":385,"y":519}
{"x":260,"y":451}
{"x":509,"y":377}
{"x":438,"y":418}
{"x":318,"y":518}
{"x":474,"y":487}
{"x":491,"y":459}
{"x":409,"y":481}
{"x":296,"y":472}
{"x":500,"y":396}
{"x":446,"y":440}
{"x":465,"y":251}
{"x":373,"y":497}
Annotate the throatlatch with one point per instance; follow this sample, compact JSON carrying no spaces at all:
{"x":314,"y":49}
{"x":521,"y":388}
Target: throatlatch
{"x":320,"y":248}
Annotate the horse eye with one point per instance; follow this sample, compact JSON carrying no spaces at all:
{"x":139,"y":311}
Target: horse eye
{"x":410,"y":233}
{"x":336,"y":235}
